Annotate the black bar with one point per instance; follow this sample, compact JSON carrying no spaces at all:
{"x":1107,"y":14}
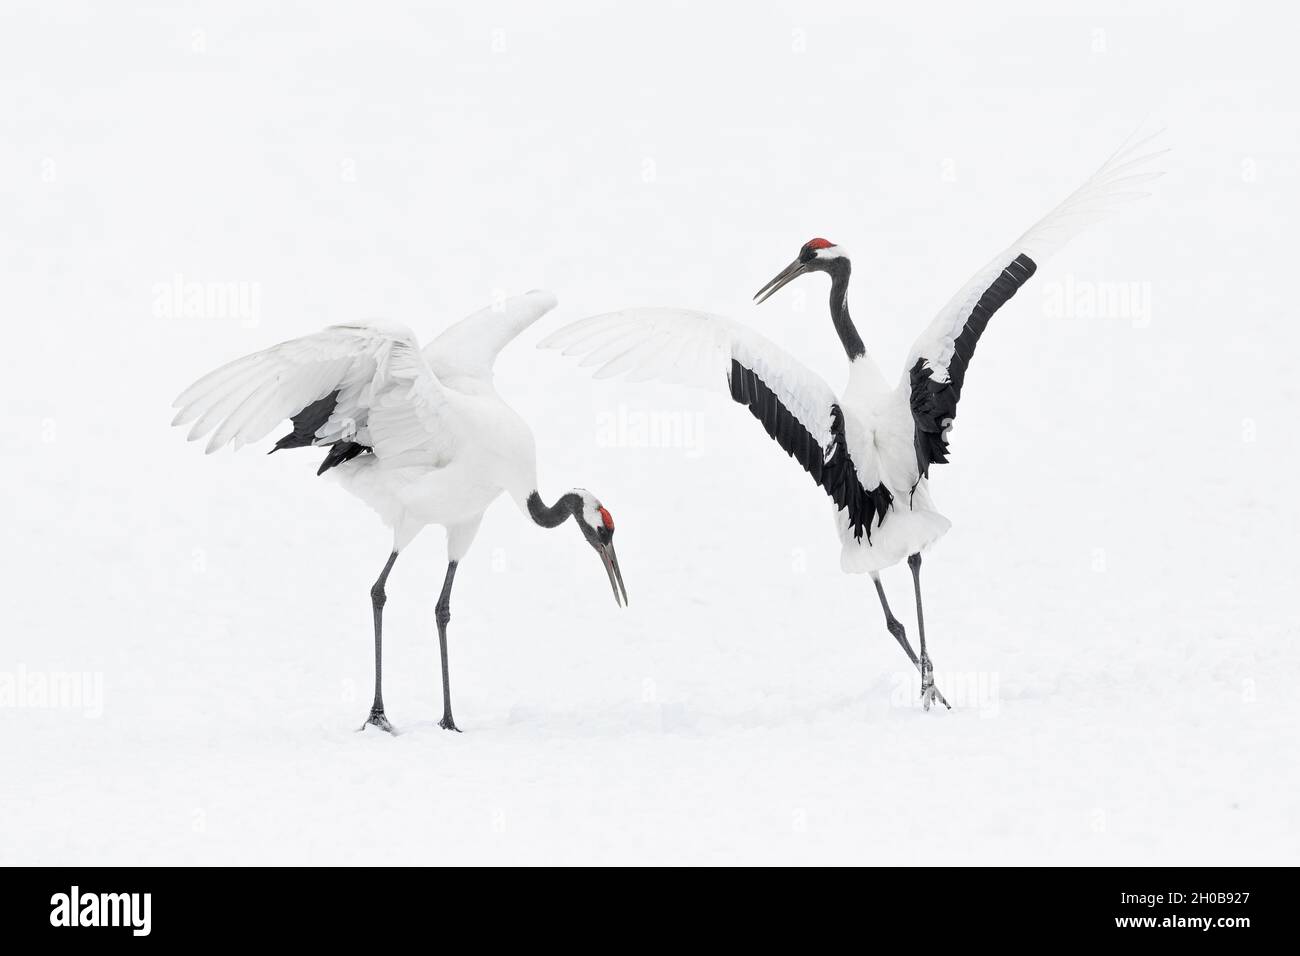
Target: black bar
{"x":951,"y":907}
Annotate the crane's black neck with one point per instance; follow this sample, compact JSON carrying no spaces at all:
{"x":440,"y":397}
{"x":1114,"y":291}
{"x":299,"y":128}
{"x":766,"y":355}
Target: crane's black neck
{"x":554,"y":515}
{"x":839,"y":269}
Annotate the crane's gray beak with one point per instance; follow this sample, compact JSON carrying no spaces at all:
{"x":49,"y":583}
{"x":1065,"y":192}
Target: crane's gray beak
{"x":610,"y":560}
{"x":793,"y":271}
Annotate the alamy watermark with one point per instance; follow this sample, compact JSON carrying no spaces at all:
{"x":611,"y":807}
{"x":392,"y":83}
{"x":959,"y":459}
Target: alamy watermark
{"x":61,"y":690}
{"x":1073,"y":298}
{"x":976,"y":691}
{"x":183,"y":298}
{"x":127,"y":910}
{"x":626,"y":427}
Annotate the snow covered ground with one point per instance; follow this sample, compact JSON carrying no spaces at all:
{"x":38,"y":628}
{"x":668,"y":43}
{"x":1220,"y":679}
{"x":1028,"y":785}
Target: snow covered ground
{"x":1113,"y":613}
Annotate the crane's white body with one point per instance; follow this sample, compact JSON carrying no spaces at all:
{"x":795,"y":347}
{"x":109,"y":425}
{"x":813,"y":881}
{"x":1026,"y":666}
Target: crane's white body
{"x":878,"y":431}
{"x":495,"y":454}
{"x":445,"y":445}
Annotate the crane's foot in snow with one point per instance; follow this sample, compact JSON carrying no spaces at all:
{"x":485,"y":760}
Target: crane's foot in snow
{"x":930,"y":693}
{"x":447,"y":723}
{"x":377,"y":719}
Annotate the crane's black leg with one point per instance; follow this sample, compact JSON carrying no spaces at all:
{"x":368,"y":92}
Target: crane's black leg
{"x":442,"y":614}
{"x":928,"y":691}
{"x":377,"y":601}
{"x":896,"y":628}
{"x":894,"y":625}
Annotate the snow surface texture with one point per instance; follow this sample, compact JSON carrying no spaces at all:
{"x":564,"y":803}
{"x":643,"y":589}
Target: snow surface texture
{"x":1112,"y":615}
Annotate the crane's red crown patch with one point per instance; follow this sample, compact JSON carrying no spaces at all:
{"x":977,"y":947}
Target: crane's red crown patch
{"x":606,"y":518}
{"x":818,"y":244}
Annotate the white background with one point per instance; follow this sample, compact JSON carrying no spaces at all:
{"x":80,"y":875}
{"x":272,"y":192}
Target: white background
{"x":1117,"y":592}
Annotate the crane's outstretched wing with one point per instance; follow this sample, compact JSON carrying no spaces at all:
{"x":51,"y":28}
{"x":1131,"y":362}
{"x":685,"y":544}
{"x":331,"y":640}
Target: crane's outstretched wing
{"x":357,"y":388}
{"x":464,"y":354}
{"x":936,"y":366}
{"x":797,"y":408}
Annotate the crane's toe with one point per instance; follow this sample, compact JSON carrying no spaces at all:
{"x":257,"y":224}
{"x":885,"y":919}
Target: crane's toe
{"x":447,"y":723}
{"x":377,"y":719}
{"x":929,"y":693}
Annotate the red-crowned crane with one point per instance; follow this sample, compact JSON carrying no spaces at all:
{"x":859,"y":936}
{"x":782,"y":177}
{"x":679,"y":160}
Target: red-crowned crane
{"x":871,"y":447}
{"x":422,"y":437}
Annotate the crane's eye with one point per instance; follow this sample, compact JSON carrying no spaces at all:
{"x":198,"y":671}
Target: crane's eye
{"x":606,"y":519}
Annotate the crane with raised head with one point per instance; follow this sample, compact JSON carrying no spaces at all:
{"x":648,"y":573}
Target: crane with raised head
{"x":870,"y":447}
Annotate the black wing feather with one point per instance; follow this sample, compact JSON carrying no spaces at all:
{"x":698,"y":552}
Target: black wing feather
{"x":307,"y":422}
{"x":305,"y":425}
{"x":830,"y":467}
{"x":340,"y":452}
{"x":934,"y":404}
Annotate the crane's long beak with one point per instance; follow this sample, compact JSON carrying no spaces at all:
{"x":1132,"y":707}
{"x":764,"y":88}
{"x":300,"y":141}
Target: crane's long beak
{"x":793,"y":271}
{"x":610,"y":560}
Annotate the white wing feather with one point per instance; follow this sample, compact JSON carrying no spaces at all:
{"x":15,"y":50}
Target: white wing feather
{"x":388,"y":398}
{"x":468,"y":349}
{"x":695,"y":348}
{"x":1118,"y":180}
